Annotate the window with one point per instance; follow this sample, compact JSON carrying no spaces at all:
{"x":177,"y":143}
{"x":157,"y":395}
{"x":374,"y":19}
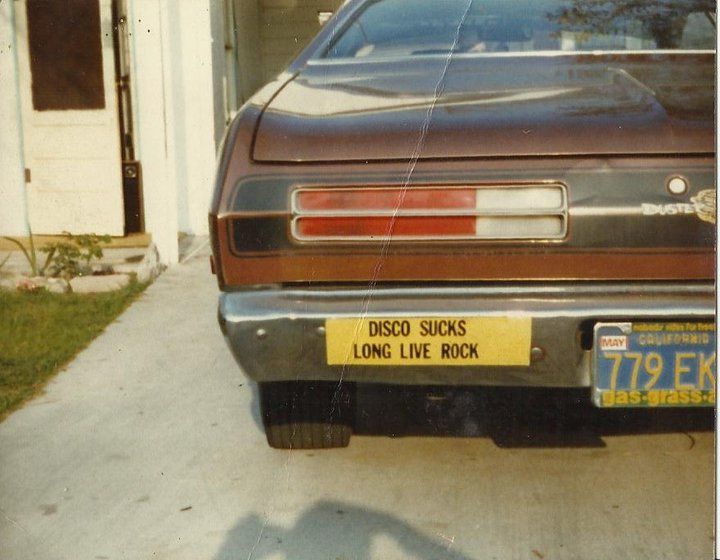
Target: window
{"x":65,"y":54}
{"x":391,"y":28}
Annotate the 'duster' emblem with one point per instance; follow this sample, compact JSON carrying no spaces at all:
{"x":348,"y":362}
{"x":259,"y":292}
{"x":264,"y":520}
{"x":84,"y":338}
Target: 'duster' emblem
{"x":704,"y":203}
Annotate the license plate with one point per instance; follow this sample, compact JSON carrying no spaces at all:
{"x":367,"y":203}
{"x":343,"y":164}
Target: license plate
{"x":654,"y":364}
{"x":429,"y":341}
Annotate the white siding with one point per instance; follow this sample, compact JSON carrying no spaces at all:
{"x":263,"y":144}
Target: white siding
{"x":73,"y":154}
{"x":198,"y":106}
{"x":154,"y":125}
{"x":12,"y":184}
{"x":178,"y":108}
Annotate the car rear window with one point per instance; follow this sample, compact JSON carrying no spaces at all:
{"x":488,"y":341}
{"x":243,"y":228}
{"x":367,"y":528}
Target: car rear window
{"x":404,"y":28}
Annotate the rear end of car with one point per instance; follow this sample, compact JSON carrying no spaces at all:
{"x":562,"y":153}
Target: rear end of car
{"x":539,"y":219}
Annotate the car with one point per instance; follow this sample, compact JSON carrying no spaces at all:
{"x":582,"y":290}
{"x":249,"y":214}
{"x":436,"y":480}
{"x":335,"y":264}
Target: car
{"x":465,"y":193}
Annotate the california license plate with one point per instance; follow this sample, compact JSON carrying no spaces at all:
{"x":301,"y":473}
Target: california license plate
{"x":429,"y":341}
{"x":654,"y":364}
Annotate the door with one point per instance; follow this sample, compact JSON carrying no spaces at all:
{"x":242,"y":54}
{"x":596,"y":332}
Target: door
{"x":70,"y":116}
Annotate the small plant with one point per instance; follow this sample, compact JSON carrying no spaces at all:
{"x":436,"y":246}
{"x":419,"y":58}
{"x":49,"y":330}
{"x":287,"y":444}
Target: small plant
{"x":30,"y":254}
{"x":4,"y":261}
{"x":72,"y":257}
{"x":66,"y":259}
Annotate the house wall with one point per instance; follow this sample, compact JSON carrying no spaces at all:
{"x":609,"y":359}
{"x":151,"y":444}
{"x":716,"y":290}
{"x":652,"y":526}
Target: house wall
{"x":198,"y":105}
{"x":13,"y":212}
{"x":178,"y":112}
{"x":221,"y":74}
{"x":179,"y":82}
{"x":152,"y":96}
{"x":70,"y":120}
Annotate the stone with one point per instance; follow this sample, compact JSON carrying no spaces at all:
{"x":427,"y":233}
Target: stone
{"x":57,"y":286}
{"x":146,"y":269}
{"x":94,"y":284}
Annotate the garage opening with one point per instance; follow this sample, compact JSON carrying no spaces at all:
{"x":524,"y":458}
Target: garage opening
{"x":270,"y":33}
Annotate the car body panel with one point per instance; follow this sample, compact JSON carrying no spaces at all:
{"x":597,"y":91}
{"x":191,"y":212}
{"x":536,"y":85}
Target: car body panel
{"x":619,"y":227}
{"x":612,"y":129}
{"x":492,"y":106}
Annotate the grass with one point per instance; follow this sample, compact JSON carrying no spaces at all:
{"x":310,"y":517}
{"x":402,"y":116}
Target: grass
{"x":41,"y":332}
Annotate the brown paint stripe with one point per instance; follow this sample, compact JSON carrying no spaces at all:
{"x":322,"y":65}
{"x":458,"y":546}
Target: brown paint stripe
{"x":467,"y":267}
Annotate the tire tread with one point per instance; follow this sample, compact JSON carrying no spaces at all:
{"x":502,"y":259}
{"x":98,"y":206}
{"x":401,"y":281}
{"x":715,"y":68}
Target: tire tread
{"x":306,"y":414}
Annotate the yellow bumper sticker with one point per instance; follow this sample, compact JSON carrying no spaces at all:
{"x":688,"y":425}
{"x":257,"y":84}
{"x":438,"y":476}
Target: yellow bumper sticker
{"x":429,"y":341}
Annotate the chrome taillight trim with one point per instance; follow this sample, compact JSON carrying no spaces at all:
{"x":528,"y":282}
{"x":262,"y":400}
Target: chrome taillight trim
{"x":560,"y":212}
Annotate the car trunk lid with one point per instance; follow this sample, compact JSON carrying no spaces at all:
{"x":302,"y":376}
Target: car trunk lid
{"x":490,"y":107}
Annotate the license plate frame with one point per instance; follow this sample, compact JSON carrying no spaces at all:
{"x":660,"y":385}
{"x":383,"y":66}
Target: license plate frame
{"x":654,"y":364}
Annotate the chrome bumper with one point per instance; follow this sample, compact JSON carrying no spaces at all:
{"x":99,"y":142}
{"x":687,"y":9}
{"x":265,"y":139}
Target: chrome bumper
{"x":278,"y":334}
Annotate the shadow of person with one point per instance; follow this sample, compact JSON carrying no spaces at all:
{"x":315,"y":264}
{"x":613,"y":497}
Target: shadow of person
{"x":331,"y":530}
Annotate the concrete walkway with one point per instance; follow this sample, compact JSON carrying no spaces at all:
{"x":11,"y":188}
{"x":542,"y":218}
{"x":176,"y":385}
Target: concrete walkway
{"x":148,"y":447}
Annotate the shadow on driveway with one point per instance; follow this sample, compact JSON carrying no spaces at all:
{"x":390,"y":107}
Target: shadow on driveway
{"x":332,"y":530}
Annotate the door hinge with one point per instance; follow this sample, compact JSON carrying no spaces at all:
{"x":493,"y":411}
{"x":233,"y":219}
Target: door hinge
{"x":28,"y":176}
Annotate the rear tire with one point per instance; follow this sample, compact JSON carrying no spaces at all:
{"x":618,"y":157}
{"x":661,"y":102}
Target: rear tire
{"x":307,"y":414}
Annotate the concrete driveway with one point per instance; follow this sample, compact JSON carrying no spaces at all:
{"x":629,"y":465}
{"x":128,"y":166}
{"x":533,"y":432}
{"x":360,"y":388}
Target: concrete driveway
{"x":148,"y":446}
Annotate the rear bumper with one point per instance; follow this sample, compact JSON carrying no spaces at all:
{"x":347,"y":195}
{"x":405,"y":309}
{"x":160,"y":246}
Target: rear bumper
{"x":277,"y":334}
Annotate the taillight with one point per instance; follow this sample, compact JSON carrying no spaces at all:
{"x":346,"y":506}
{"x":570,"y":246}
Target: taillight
{"x":534,"y":212}
{"x":353,"y":200}
{"x":371,"y":227}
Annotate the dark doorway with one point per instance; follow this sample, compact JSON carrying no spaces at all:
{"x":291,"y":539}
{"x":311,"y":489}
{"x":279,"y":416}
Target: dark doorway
{"x":131,"y":168}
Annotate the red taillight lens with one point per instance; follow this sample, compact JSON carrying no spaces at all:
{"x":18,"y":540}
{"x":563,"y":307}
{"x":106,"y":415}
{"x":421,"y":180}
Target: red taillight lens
{"x":380,"y":226}
{"x":384,"y":199}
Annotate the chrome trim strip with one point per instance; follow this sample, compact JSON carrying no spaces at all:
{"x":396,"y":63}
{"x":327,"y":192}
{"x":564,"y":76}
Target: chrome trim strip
{"x":441,"y":212}
{"x":517,"y":54}
{"x":560,"y":299}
